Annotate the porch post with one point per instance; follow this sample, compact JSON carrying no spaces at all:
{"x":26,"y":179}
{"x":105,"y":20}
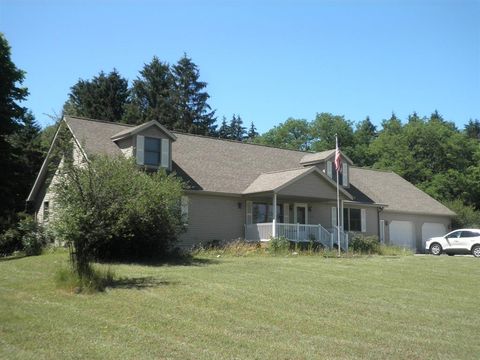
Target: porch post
{"x":274,"y":222}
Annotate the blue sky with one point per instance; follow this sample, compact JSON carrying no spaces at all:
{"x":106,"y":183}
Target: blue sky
{"x":264,"y":60}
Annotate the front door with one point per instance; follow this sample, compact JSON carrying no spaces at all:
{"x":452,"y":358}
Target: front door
{"x":300,"y":214}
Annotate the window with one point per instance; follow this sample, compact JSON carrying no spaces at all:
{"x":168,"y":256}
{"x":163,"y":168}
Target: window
{"x":352,"y":219}
{"x":468,"y":234}
{"x":263,"y":213}
{"x":455,"y":234}
{"x":152,"y":151}
{"x":46,"y":210}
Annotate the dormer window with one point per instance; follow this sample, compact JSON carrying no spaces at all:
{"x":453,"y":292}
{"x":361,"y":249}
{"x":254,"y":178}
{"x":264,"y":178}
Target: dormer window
{"x":152,"y":151}
{"x":149,"y":143}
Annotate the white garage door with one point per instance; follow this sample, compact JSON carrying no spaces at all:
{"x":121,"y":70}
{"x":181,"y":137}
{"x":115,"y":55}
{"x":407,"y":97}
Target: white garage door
{"x":432,"y":230}
{"x":402,"y":234}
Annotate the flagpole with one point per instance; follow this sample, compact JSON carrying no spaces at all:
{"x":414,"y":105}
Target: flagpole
{"x":338,"y":199}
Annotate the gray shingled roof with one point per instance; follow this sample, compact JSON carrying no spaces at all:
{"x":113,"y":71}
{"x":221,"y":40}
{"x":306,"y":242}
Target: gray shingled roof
{"x":386,"y":187}
{"x":273,"y":180}
{"x":232,"y":167}
{"x":94,"y":136}
{"x":318,"y":156}
{"x":133,"y":130}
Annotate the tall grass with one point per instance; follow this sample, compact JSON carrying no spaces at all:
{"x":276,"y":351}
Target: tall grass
{"x":97,"y":280}
{"x":280,"y":247}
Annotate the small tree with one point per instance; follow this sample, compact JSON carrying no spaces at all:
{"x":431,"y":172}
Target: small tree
{"x":110,"y":210}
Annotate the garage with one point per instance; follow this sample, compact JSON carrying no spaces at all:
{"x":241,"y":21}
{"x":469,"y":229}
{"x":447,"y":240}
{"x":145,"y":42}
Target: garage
{"x":402,"y":234}
{"x":430,"y":230}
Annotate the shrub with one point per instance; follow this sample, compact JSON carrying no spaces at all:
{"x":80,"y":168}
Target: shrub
{"x":33,"y":236}
{"x":365,"y":244}
{"x":279,"y":244}
{"x":10,"y":241}
{"x":108,"y":209}
{"x":466,"y":216}
{"x":27,"y":235}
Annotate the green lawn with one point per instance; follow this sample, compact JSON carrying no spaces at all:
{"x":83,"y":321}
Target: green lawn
{"x":247,"y":308}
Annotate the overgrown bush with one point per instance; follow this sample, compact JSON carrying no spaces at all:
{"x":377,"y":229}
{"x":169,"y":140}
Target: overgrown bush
{"x":467,"y":216}
{"x":229,"y":248}
{"x":279,"y":244}
{"x":10,"y":241}
{"x":107,"y":209}
{"x":365,"y":244}
{"x":27,"y":236}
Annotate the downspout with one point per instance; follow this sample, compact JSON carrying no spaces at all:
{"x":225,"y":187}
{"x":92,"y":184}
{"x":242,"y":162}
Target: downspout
{"x":379,"y":210}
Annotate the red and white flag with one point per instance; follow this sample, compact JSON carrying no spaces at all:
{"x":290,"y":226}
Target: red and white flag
{"x":338,"y":159}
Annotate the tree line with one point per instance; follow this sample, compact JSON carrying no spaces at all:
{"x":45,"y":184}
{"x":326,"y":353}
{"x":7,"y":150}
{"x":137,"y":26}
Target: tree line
{"x":428,"y":151}
{"x":174,"y":95}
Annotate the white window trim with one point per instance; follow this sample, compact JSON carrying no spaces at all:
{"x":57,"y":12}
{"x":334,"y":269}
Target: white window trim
{"x":249,"y":212}
{"x":286,"y":213}
{"x":363,"y":220}
{"x":184,"y":209}
{"x":345,"y":174}
{"x":334,"y":217}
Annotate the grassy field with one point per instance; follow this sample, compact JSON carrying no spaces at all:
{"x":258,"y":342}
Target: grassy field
{"x":302,"y":307}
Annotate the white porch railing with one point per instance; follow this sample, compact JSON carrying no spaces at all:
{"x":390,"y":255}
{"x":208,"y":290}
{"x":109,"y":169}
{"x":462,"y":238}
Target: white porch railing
{"x":258,"y":232}
{"x":295,"y":232}
{"x":343,"y":238}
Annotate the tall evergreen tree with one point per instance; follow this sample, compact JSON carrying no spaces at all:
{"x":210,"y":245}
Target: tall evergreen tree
{"x":28,"y":155}
{"x":364,"y":134}
{"x":472,"y":129}
{"x":152,"y":96}
{"x":193,"y":113}
{"x":104,"y":97}
{"x":252,"y":132}
{"x":224,"y":130}
{"x":11,"y":117}
{"x":237,"y":130}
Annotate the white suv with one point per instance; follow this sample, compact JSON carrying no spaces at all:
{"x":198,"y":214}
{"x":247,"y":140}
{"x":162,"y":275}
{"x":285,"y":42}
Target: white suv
{"x":462,"y":241}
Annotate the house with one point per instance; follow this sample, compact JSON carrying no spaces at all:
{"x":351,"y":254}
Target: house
{"x":241,"y":190}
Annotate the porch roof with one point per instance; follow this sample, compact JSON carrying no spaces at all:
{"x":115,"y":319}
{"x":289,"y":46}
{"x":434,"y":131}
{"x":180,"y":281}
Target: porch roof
{"x":278,"y":180}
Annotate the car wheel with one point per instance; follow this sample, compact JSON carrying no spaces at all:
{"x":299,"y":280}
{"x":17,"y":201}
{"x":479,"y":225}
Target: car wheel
{"x":476,"y":251}
{"x":435,"y":249}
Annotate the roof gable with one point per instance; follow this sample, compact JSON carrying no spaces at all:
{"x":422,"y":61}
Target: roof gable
{"x":135,"y":130}
{"x":322,"y":156}
{"x":277,"y":181}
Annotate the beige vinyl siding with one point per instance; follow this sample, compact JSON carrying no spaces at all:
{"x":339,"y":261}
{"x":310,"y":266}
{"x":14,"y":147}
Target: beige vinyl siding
{"x":46,"y":192}
{"x":371,"y":217}
{"x":213,"y":217}
{"x":320,"y":214}
{"x":418,"y":221}
{"x":126,"y":146}
{"x":311,"y":186}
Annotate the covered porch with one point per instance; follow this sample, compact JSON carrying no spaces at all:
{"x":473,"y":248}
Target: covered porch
{"x":297,"y":233}
{"x":298,"y":204}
